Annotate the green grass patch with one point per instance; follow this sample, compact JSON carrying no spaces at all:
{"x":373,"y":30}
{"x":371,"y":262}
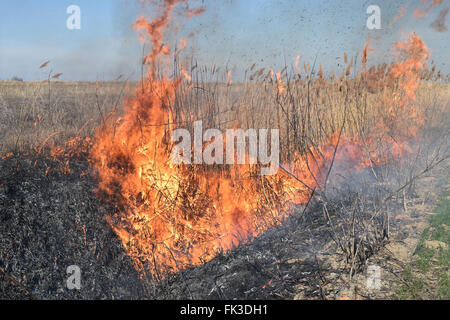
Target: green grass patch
{"x":427,"y":277}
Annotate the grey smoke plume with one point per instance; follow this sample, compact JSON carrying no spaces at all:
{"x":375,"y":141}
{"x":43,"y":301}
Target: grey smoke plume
{"x":439,"y":23}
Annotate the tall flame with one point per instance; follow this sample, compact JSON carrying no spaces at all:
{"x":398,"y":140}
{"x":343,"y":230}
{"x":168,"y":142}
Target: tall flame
{"x":172,"y":217}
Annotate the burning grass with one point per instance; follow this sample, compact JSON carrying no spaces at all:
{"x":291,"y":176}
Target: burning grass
{"x":173,"y":217}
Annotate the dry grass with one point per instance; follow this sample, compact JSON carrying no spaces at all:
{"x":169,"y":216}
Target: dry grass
{"x":307,"y":110}
{"x":35,"y":112}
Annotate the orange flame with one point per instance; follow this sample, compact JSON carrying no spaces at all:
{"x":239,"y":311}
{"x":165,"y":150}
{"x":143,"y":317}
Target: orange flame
{"x":172,"y":217}
{"x":419,"y":13}
{"x":400,"y":14}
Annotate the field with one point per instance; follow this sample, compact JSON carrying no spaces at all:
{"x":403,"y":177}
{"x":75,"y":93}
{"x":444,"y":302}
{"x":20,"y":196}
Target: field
{"x":39,"y":113}
{"x":321,"y":187}
{"x":34,"y":111}
{"x":40,"y":118}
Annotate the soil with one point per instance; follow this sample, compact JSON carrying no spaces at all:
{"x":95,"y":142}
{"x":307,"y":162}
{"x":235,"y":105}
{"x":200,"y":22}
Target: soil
{"x":50,"y":221}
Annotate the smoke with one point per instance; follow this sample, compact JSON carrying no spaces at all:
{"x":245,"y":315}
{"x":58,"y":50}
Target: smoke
{"x":439,"y":24}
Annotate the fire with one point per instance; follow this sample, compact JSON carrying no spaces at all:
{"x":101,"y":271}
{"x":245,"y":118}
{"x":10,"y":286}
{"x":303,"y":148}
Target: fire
{"x":400,"y":14}
{"x":419,"y":13}
{"x":173,"y":217}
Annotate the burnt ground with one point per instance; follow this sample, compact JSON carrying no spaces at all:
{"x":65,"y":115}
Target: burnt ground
{"x":300,"y":260}
{"x":48,"y":223}
{"x":51,"y":221}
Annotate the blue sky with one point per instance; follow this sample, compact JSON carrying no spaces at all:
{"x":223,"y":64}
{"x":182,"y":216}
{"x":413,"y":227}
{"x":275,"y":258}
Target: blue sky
{"x":236,"y":33}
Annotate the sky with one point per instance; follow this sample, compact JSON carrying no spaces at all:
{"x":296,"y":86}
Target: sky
{"x":232,"y":33}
